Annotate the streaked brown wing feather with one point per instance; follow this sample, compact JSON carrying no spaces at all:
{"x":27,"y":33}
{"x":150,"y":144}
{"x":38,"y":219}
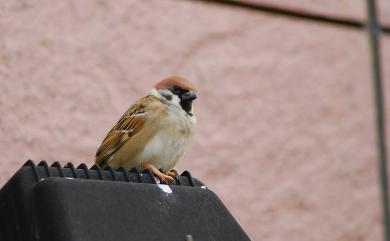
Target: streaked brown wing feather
{"x":128,"y":125}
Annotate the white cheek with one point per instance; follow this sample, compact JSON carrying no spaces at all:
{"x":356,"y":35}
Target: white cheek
{"x":175,"y":100}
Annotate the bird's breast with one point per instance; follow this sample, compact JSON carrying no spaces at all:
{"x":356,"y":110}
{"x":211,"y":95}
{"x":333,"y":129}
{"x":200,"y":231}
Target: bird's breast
{"x":169,"y":143}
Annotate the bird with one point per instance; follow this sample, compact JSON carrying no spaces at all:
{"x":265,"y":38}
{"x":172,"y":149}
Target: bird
{"x":154,"y":132}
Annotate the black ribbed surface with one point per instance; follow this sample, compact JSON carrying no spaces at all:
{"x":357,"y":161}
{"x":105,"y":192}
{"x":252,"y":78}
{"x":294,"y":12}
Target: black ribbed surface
{"x":66,"y":203}
{"x":44,"y":170}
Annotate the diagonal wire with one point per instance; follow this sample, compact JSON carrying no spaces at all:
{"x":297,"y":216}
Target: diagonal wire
{"x":374,"y":32}
{"x":295,"y":13}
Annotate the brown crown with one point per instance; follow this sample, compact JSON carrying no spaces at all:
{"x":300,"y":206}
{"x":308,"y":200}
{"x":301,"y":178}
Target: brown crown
{"x":172,"y":81}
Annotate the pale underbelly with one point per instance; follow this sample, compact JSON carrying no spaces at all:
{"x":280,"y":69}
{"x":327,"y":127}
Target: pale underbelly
{"x":164,"y":150}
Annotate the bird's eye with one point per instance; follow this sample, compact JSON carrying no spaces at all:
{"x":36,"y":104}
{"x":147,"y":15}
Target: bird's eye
{"x":176,"y":90}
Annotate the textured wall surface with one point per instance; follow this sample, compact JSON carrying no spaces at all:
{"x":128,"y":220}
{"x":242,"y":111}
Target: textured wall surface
{"x":286,"y":122}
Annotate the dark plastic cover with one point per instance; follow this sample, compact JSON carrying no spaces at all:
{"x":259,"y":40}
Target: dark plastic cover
{"x":62,"y":208}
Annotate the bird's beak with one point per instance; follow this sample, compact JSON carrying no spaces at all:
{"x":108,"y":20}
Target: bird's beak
{"x":189,"y":96}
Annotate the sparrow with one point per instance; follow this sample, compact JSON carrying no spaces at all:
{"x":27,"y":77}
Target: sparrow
{"x":154,"y":132}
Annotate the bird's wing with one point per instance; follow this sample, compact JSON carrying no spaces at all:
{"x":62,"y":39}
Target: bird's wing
{"x":128,"y":125}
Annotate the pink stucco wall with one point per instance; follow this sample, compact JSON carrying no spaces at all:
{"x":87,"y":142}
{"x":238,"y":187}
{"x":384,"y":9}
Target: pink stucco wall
{"x":286,"y":123}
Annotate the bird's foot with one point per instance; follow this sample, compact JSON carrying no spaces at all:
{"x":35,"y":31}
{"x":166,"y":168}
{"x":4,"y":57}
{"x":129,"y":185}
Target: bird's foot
{"x":164,"y":178}
{"x":173,"y":173}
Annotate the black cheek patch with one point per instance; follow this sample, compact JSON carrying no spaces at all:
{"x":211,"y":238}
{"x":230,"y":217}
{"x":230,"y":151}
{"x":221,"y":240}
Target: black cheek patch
{"x":167,"y":97}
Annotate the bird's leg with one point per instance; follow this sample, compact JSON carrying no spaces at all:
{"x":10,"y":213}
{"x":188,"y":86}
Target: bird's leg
{"x":172,"y":173}
{"x":163,"y":177}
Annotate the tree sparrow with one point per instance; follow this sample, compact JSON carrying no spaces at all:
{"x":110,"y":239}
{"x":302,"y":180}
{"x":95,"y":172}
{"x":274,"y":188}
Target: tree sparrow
{"x":154,"y":132}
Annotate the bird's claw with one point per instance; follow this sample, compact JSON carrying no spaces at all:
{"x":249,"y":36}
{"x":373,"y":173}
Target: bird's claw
{"x":167,"y":179}
{"x":164,"y":178}
{"x":173,"y":173}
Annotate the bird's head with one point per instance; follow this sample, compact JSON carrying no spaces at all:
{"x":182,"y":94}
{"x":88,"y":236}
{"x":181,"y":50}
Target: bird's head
{"x":178,"y":91}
